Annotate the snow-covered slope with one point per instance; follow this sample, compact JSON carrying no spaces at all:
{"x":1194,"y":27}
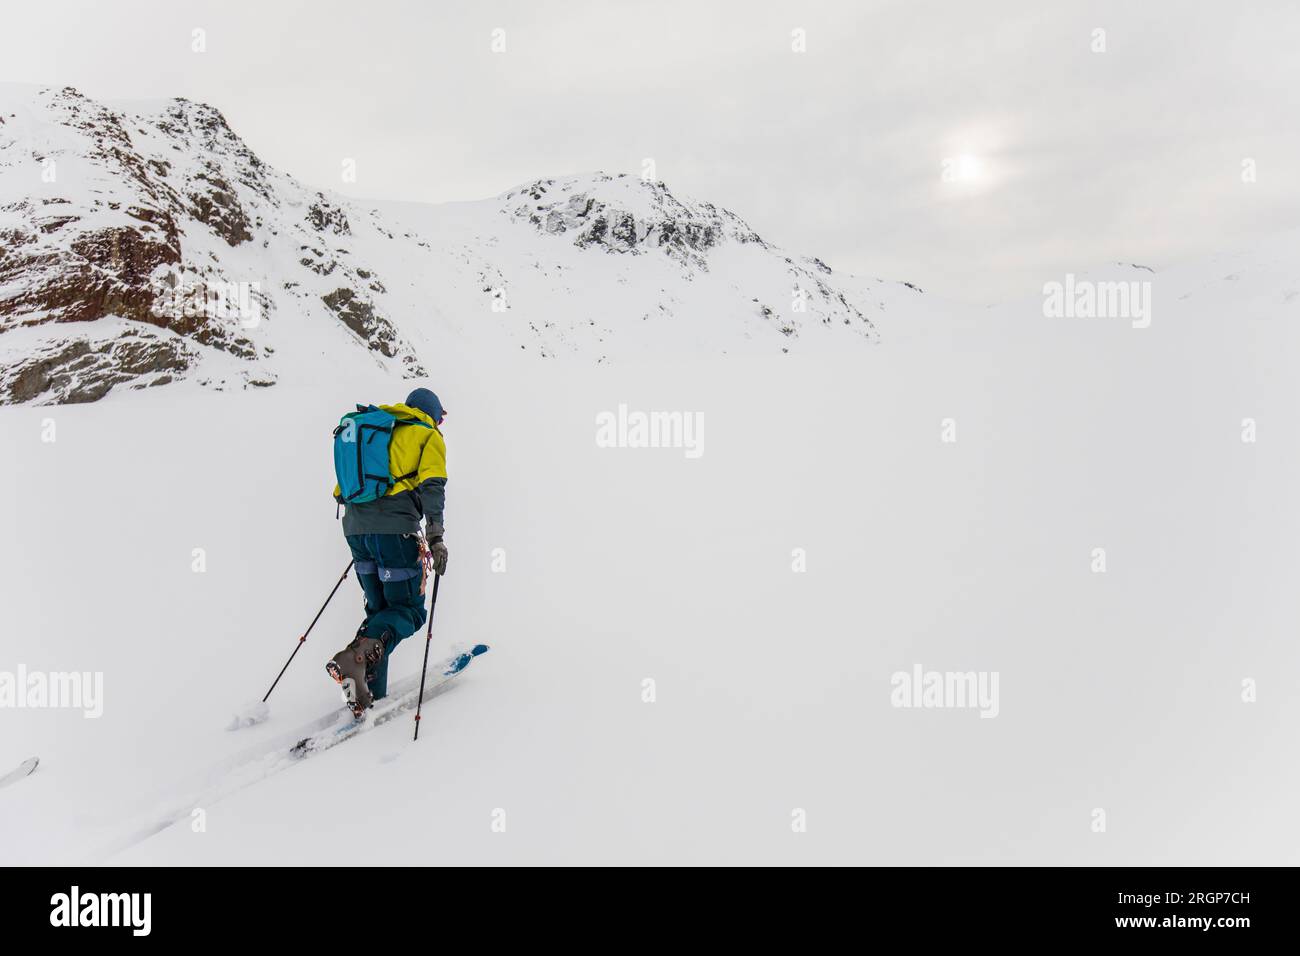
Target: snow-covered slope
{"x":614,"y":267}
{"x":590,"y":570}
{"x":145,"y":243}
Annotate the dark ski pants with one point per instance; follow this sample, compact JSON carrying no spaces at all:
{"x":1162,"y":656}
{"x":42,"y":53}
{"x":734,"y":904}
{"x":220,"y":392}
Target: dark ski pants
{"x":392,"y":578}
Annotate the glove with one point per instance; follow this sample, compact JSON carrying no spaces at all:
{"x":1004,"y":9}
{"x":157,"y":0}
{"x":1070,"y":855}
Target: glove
{"x":438,"y":556}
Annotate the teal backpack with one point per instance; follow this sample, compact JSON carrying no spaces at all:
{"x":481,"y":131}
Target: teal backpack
{"x":361,"y":453}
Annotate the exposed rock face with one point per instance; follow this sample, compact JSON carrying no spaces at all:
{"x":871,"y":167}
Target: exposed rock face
{"x":69,"y":260}
{"x":374,"y":330}
{"x":223,"y":159}
{"x":96,"y":273}
{"x":81,"y":370}
{"x":326,"y":218}
{"x":220,"y":211}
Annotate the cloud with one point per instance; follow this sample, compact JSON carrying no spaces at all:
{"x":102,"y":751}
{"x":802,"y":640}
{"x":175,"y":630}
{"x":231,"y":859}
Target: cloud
{"x":837,"y":151}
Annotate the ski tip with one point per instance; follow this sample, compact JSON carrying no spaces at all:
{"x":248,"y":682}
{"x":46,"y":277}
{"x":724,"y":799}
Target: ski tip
{"x":24,"y":769}
{"x":461,"y":660}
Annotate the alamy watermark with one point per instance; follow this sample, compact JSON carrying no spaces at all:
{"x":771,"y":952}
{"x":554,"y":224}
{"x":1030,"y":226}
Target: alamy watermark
{"x":1086,"y":299}
{"x":944,"y":690}
{"x":230,"y":301}
{"x":66,"y":690}
{"x":75,"y":908}
{"x":626,"y":428}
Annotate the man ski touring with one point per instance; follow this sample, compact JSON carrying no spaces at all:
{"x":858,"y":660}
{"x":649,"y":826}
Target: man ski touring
{"x":391,"y":466}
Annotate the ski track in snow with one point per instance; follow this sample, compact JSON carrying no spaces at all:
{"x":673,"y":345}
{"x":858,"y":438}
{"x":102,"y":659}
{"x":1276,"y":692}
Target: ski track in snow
{"x":26,"y":768}
{"x":257,"y":763}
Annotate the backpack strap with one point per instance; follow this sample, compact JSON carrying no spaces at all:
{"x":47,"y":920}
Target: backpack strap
{"x":408,"y":421}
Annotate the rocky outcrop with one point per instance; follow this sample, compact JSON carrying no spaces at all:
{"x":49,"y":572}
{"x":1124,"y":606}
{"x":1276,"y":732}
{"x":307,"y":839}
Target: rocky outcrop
{"x":92,"y":274}
{"x":218,"y":208}
{"x":374,"y":330}
{"x":84,"y":370}
{"x":328,"y":218}
{"x":650,"y":218}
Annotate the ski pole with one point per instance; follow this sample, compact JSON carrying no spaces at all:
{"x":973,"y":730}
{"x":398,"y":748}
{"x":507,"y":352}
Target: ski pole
{"x":303,"y":639}
{"x":419,"y":701}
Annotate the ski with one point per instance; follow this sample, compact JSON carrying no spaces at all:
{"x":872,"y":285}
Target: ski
{"x":22,"y":770}
{"x":385,"y":710}
{"x":260,"y":762}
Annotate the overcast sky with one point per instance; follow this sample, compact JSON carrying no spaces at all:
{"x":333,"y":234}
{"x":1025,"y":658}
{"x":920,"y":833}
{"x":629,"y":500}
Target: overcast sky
{"x":1065,"y":157}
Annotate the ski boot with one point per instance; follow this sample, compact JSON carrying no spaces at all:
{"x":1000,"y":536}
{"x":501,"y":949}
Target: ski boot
{"x":349,"y":668}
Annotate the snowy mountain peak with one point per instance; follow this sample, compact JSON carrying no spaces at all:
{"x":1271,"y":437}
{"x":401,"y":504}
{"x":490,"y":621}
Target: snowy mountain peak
{"x":626,"y":214}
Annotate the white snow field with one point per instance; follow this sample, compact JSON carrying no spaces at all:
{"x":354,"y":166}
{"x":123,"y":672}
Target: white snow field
{"x":1119,"y":692}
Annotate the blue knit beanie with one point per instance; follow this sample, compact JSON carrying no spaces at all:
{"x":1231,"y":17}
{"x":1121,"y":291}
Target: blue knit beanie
{"x":427,"y":402}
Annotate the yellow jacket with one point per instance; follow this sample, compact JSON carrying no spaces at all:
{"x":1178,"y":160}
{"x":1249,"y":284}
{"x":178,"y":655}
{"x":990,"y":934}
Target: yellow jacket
{"x":420,"y":452}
